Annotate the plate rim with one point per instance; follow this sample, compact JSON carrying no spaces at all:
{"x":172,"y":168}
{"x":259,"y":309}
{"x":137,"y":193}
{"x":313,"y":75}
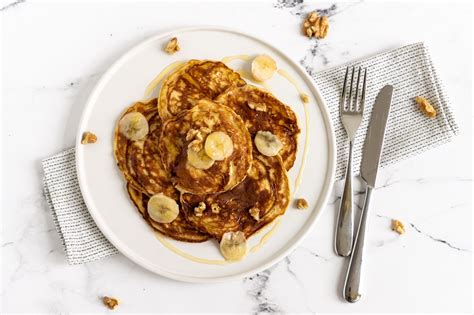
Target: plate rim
{"x":123,"y":248}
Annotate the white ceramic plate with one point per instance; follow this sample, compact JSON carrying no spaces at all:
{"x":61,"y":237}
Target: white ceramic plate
{"x":103,"y":187}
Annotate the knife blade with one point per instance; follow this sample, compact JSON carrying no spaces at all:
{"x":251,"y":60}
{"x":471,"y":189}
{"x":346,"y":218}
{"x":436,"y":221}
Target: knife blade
{"x":373,"y":145}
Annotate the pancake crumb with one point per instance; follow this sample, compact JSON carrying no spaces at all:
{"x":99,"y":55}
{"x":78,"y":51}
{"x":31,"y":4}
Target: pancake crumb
{"x":304,"y":98}
{"x":398,"y":227}
{"x":88,"y":137}
{"x":172,"y":46}
{"x":301,"y":204}
{"x":110,"y":302}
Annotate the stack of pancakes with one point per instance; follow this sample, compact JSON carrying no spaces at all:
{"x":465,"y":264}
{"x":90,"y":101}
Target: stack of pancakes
{"x":242,"y":191}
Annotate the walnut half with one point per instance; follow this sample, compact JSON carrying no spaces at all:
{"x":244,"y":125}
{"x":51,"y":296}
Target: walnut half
{"x":315,"y":25}
{"x":301,"y":204}
{"x":88,"y":137}
{"x":172,"y":46}
{"x":111,"y":303}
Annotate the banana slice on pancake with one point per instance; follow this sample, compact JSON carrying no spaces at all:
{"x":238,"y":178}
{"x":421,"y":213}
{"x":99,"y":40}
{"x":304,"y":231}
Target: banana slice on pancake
{"x":134,"y":126}
{"x":233,"y":245}
{"x":263,"y":68}
{"x":199,"y":159}
{"x":267,"y":143}
{"x":162,"y":209}
{"x":218,"y":146}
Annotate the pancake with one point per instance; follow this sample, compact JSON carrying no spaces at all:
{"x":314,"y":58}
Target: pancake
{"x":222,"y":175}
{"x":267,"y":114}
{"x":123,"y":147}
{"x":196,"y":80}
{"x":179,"y":229}
{"x":265,"y":188}
{"x":145,"y":162}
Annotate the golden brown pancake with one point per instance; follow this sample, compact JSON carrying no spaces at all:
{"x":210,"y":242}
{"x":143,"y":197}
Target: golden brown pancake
{"x":123,"y":147}
{"x":265,"y":188}
{"x":179,"y":229}
{"x":222,"y":175}
{"x":196,"y":80}
{"x":261,"y":111}
{"x":140,"y":161}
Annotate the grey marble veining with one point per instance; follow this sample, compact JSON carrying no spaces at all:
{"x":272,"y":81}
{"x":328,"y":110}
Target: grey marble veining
{"x":12,"y":5}
{"x":257,"y":290}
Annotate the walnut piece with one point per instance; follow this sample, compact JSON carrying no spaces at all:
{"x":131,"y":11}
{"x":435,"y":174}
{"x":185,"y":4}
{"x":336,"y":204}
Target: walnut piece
{"x":215,"y":208}
{"x":315,"y":25}
{"x":425,"y":106}
{"x":191,"y":134}
{"x":260,"y":107}
{"x":172,"y":46}
{"x":205,"y":130}
{"x":398,"y":227}
{"x":301,"y":204}
{"x":255,"y":213}
{"x":111,"y":303}
{"x":88,"y":137}
{"x":199,"y":209}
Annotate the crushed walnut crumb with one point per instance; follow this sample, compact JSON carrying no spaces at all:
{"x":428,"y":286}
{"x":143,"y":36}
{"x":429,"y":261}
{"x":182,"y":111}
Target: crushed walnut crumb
{"x":425,"y":106}
{"x":398,"y":227}
{"x":111,"y":303}
{"x":260,"y":107}
{"x":315,"y":25}
{"x":215,"y":208}
{"x":172,"y":46}
{"x":199,"y":209}
{"x":301,"y":204}
{"x":255,"y":213}
{"x":88,"y":137}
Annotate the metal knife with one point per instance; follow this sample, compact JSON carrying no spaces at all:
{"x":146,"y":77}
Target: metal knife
{"x":368,"y":170}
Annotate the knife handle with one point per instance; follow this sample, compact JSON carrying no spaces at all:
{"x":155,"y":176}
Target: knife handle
{"x":352,"y":285}
{"x":345,"y":220}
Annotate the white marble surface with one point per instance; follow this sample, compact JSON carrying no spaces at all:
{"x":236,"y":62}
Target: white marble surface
{"x":53,"y":54}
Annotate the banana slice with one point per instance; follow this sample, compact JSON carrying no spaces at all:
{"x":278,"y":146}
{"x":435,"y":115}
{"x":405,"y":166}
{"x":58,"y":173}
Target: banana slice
{"x":134,"y":126}
{"x":218,"y":146}
{"x":233,"y":245}
{"x":267,"y":143}
{"x":263,"y":67}
{"x":162,"y":209}
{"x":199,"y":159}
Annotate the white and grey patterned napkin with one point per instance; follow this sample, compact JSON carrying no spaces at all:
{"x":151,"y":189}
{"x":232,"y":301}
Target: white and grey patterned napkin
{"x":81,"y":238}
{"x":409,"y":69}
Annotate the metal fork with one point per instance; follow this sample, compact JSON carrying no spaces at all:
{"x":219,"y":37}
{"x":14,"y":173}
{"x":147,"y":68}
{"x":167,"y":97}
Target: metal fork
{"x":351,"y":111}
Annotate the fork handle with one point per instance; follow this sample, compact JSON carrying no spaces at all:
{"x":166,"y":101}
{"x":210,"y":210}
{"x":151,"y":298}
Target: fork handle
{"x":345,"y":220}
{"x":353,"y":282}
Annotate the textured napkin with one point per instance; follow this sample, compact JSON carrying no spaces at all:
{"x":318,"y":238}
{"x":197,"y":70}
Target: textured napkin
{"x":409,"y":69}
{"x":81,"y":238}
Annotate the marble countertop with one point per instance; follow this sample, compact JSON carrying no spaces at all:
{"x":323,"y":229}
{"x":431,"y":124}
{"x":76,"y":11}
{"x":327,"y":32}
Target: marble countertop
{"x":53,"y":54}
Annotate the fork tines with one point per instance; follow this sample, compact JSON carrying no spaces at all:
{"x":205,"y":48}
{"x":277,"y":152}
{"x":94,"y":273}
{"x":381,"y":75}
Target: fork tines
{"x":353,"y":101}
